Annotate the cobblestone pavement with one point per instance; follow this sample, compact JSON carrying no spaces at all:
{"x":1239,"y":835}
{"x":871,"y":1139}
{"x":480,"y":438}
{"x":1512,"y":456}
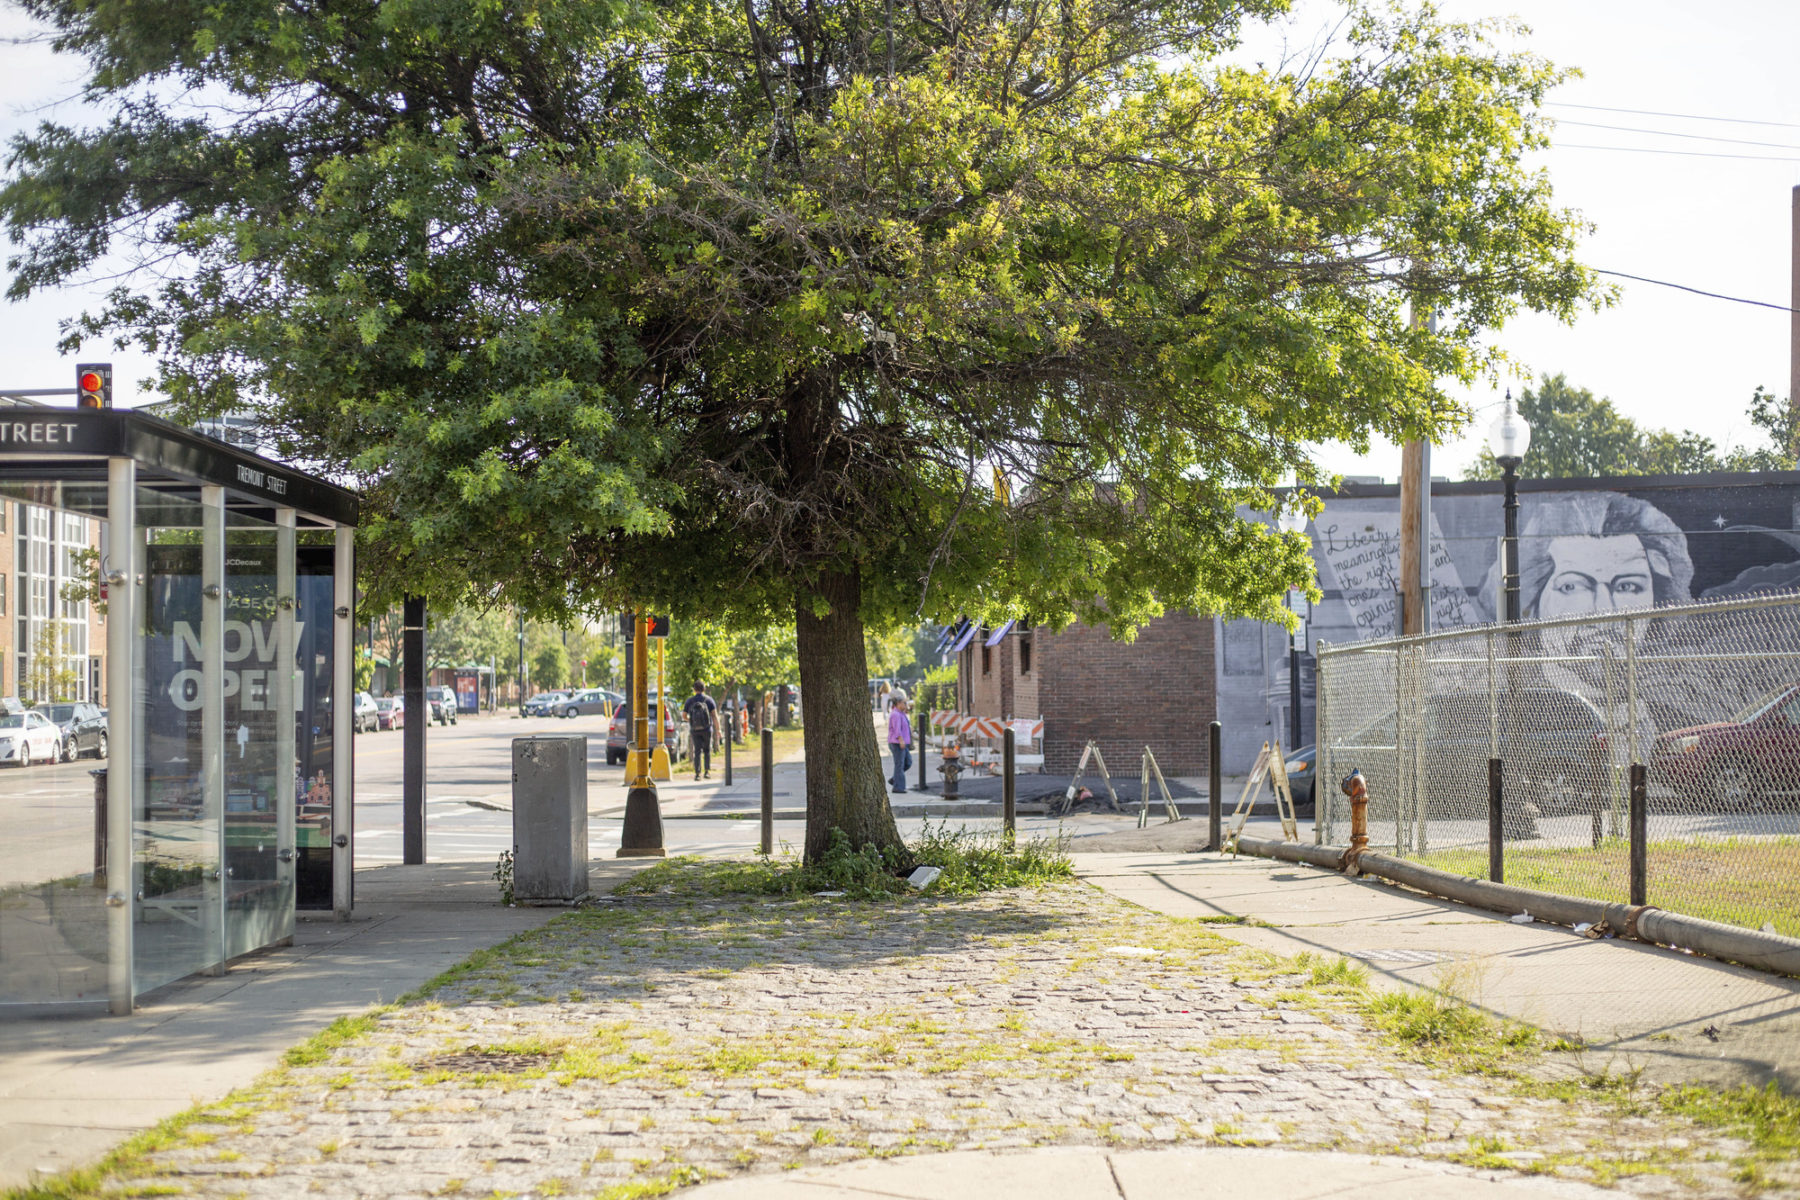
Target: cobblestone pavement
{"x":660,"y":1040}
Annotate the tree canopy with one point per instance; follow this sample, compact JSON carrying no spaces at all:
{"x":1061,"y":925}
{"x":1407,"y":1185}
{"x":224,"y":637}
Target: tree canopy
{"x":1576,"y":435}
{"x":843,"y":312}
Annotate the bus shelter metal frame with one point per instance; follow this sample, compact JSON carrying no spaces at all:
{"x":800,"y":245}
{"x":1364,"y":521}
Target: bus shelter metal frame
{"x":134,"y":450}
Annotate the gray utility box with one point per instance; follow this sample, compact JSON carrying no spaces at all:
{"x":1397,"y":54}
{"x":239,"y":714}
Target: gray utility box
{"x":550,"y":826}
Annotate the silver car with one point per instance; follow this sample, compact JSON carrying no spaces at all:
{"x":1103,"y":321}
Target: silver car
{"x":591,"y":702}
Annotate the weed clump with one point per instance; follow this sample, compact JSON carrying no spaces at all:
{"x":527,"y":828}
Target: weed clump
{"x":1448,"y":1030}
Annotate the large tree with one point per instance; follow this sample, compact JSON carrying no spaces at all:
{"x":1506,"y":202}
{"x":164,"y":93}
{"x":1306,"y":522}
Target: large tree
{"x":841,"y":312}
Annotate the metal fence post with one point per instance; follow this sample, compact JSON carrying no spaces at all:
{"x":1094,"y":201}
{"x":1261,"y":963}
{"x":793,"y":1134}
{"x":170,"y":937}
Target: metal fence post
{"x":730,"y":736}
{"x":768,"y":791}
{"x":1215,"y":788}
{"x":1008,"y":785}
{"x":924,"y":716}
{"x":1640,"y":821}
{"x":1496,"y":822}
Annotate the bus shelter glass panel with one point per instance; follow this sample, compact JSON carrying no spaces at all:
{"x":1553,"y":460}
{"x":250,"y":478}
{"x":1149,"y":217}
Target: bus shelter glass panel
{"x":259,"y":842}
{"x":178,"y":909}
{"x":314,"y":747}
{"x":53,"y":869}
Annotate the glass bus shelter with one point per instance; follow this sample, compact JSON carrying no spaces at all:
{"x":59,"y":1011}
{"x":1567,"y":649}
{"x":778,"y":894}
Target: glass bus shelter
{"x":175,"y":704}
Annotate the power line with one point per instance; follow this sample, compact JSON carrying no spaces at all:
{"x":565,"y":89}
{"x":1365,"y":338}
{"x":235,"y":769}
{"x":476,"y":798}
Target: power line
{"x":1685,"y":288}
{"x":1696,"y":137}
{"x":1641,"y":112}
{"x":1678,"y":153}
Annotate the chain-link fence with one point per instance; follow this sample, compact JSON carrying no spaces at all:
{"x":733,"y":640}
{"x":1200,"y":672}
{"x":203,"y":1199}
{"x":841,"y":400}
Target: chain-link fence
{"x":1705,"y":696}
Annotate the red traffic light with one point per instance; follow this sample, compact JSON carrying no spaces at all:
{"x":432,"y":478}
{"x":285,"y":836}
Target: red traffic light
{"x":93,"y":385}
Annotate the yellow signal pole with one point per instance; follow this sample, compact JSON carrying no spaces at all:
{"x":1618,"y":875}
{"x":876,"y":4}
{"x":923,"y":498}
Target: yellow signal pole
{"x":659,"y":756}
{"x":642,"y":836}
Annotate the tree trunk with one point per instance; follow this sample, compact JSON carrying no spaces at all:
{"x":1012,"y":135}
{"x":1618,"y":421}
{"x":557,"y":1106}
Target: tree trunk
{"x":846,"y":765}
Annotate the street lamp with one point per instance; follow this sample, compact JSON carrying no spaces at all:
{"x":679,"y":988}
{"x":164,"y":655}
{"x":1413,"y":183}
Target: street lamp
{"x":1293,"y":520}
{"x":1509,"y":438}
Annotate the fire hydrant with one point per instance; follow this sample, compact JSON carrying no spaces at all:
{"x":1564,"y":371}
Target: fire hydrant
{"x":951,"y":769}
{"x":1357,"y":788}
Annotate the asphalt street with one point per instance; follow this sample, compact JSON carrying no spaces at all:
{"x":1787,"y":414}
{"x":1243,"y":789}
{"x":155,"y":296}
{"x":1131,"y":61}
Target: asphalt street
{"x":468,"y":771}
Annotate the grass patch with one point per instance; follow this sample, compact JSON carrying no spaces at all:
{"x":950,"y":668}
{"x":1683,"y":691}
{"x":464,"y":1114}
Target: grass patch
{"x":1736,"y":881}
{"x":1447,"y":1031}
{"x":969,"y":862}
{"x":319,"y":1048}
{"x":746,"y":756}
{"x":1767,"y":1118}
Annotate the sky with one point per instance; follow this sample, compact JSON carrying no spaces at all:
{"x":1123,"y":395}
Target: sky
{"x":1667,"y":358}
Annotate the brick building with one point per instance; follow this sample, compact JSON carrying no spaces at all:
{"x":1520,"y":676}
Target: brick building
{"x":1157,"y":691}
{"x":40,"y":553}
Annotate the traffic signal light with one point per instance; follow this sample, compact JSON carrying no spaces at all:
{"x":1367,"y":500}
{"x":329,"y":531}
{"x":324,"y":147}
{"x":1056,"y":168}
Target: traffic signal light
{"x":659,"y":627}
{"x":93,"y":385}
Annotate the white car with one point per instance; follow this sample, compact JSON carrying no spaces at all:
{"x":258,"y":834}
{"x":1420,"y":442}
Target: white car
{"x":29,"y":737}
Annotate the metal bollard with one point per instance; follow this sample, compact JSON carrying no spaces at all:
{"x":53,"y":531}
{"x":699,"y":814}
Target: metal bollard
{"x":919,"y":727}
{"x":1640,"y":829}
{"x":1496,"y":822}
{"x":100,"y":827}
{"x":768,"y":791}
{"x":1215,"y":788}
{"x":1008,"y":785}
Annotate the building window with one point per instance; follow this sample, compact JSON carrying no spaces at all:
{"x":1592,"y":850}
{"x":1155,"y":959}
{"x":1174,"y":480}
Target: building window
{"x":1024,"y":654}
{"x":2,"y":582}
{"x":987,"y":659}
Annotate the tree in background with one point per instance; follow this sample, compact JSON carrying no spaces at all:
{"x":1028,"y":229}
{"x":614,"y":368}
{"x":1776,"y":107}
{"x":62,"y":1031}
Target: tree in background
{"x":50,"y":672}
{"x":1576,"y":436}
{"x":889,"y":652}
{"x":470,"y":637}
{"x":550,"y":667}
{"x":840,"y":314}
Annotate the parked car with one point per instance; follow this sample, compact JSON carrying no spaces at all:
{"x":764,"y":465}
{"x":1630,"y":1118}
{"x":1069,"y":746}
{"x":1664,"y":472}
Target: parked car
{"x":83,"y":729}
{"x":390,"y":713}
{"x":28,"y":737}
{"x":618,"y":734}
{"x":1302,"y":773}
{"x":364,"y":714}
{"x":1752,"y":758}
{"x":587,"y":703}
{"x":1555,"y":752}
{"x":441,"y":701}
{"x":544,"y":703}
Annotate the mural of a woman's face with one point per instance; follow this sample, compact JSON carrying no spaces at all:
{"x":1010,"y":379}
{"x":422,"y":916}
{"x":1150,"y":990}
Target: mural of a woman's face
{"x":1596,"y":574}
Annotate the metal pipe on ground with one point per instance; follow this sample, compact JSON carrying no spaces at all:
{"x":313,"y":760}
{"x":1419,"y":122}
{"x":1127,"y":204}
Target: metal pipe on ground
{"x":1752,"y":948}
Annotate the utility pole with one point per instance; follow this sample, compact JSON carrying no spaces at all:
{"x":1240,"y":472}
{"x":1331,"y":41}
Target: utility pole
{"x":1794,"y":315}
{"x":1415,"y":520}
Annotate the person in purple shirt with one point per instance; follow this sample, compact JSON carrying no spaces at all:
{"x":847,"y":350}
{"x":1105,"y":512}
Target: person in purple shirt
{"x":900,"y":742}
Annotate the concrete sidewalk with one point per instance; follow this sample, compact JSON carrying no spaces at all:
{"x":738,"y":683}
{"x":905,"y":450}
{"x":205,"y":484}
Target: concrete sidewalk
{"x":73,"y":1087}
{"x":1081,"y":1173}
{"x":1678,"y":1016}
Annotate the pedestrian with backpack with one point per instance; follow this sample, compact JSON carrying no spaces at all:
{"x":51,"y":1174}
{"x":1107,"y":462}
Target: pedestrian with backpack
{"x":701,"y":715}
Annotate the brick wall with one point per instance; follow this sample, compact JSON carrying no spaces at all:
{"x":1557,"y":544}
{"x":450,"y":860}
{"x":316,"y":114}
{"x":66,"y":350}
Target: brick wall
{"x":1159,"y":690}
{"x":1004,"y":690}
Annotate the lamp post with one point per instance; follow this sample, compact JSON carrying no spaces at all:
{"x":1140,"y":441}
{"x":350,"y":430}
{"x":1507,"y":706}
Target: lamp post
{"x":1509,"y":438}
{"x":1293,"y":520}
